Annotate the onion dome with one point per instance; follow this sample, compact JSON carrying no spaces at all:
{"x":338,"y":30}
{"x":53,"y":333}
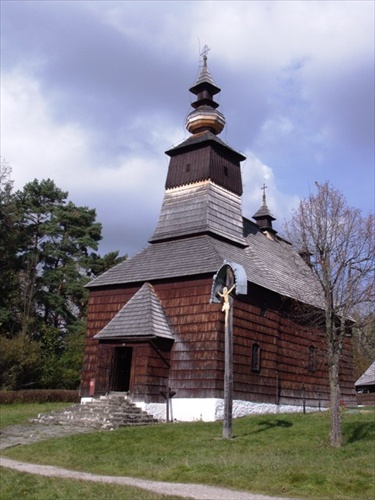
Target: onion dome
{"x":205,"y":115}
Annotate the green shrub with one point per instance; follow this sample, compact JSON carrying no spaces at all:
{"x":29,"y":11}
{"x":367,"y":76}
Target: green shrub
{"x":39,"y":396}
{"x":21,"y":362}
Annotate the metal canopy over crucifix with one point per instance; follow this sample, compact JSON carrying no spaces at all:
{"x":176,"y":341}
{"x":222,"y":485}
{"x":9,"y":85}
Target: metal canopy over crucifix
{"x":231,"y":277}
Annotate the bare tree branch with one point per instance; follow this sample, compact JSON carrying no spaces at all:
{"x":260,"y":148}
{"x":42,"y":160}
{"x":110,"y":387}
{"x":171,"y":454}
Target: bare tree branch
{"x":339,"y":242}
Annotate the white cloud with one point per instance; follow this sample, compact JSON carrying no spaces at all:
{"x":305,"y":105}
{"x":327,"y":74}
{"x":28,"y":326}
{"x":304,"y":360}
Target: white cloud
{"x":296,"y":92}
{"x":33,"y":144}
{"x":274,"y":33}
{"x":36,"y":146}
{"x":265,"y":34}
{"x":254,"y":174}
{"x":151,"y":24}
{"x":274,"y":129}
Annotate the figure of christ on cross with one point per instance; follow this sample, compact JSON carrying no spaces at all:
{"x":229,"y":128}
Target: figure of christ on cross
{"x":225,"y":296}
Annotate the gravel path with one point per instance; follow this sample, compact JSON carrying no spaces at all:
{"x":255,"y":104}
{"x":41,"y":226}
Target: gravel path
{"x":26,"y":434}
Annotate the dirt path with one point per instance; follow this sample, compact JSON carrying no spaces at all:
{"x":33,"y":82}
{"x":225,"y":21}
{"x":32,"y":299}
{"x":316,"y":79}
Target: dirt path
{"x":195,"y":491}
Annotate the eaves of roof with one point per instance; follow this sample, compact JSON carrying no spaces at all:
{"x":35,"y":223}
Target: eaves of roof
{"x":203,"y":138}
{"x":273,"y":265}
{"x":167,"y":259}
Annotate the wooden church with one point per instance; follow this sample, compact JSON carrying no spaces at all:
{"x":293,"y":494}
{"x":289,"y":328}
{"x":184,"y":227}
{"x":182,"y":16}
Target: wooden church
{"x":154,"y":331}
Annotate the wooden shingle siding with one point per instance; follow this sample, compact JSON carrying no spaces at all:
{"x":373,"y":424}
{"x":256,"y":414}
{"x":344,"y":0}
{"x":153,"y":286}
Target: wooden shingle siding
{"x":200,"y":208}
{"x":203,"y":164}
{"x":103,"y":306}
{"x":346,"y":371}
{"x":197,"y":356}
{"x":194,"y":356}
{"x":156,"y":325}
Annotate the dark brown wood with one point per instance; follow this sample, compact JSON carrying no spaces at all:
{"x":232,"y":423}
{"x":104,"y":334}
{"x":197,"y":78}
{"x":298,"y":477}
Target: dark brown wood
{"x":196,"y":358}
{"x":202,"y":164}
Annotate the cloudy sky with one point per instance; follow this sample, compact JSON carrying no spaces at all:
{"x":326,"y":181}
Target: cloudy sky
{"x":94,"y":92}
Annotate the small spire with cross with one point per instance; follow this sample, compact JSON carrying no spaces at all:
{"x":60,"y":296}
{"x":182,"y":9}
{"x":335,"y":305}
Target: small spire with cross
{"x":264,"y":217}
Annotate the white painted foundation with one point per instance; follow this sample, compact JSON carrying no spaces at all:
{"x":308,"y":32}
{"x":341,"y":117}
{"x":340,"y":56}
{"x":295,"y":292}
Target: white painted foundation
{"x":211,"y":409}
{"x":86,"y":400}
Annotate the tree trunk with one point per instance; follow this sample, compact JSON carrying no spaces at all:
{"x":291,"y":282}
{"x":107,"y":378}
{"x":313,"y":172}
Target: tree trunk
{"x":336,"y":428}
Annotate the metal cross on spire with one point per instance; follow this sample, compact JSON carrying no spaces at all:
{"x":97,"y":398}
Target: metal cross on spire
{"x":204,"y":53}
{"x":263,"y":188}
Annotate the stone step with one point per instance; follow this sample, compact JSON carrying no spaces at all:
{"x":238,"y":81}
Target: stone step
{"x":107,"y":412}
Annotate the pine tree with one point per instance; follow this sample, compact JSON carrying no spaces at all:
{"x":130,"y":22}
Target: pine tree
{"x":48,"y":252}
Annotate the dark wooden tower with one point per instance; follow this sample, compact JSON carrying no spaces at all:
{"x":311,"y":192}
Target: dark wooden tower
{"x":151,"y":327}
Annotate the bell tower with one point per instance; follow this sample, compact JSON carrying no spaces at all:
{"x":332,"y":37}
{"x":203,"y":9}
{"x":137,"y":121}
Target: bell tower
{"x":264,"y":217}
{"x":203,"y":185}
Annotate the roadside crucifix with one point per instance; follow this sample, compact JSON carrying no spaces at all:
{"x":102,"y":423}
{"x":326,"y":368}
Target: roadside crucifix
{"x":226,"y":301}
{"x":230,"y":277}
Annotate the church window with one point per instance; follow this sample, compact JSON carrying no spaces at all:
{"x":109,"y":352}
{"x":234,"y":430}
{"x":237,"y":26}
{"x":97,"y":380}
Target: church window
{"x":263,"y":308}
{"x":312,"y":359}
{"x":255,"y":358}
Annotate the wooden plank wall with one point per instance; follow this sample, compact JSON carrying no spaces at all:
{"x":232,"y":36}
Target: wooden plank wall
{"x":252,"y":326}
{"x":197,"y":355}
{"x":348,"y":393}
{"x":366,"y":399}
{"x":149,"y":377}
{"x":149,"y":371}
{"x":205,"y":163}
{"x":103,"y":305}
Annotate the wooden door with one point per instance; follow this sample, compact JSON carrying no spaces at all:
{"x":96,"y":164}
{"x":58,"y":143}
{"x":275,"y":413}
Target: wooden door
{"x":121,"y":369}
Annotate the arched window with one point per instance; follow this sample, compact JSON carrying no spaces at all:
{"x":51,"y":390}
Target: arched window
{"x":255,"y":358}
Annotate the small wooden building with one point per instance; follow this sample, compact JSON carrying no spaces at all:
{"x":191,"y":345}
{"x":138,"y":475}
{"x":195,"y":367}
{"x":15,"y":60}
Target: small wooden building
{"x":365,"y":387}
{"x":151,"y":328}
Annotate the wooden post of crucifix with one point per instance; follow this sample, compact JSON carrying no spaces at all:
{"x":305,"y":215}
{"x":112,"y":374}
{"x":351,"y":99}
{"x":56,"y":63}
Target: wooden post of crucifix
{"x":230,"y":277}
{"x":228,"y":355}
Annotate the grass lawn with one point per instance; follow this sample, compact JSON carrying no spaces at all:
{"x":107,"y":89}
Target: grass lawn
{"x":286,"y":455}
{"x":20,"y":413}
{"x":16,"y":485}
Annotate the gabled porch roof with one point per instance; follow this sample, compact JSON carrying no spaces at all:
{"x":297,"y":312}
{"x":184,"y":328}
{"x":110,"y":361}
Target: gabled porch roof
{"x":141,"y":318}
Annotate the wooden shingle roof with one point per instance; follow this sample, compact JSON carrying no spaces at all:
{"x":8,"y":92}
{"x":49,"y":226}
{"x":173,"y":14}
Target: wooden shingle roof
{"x":273,"y":265}
{"x":368,"y":378}
{"x":142,"y":317}
{"x":202,"y":207}
{"x":201,"y":225}
{"x":206,"y":137}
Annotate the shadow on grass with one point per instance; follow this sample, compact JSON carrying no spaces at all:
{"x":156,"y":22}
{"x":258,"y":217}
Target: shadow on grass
{"x":359,"y":431}
{"x":267,"y":425}
{"x":272,"y":425}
